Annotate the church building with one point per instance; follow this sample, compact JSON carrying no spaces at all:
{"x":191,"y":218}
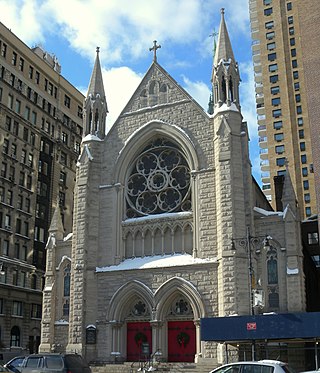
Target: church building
{"x":169,"y":226}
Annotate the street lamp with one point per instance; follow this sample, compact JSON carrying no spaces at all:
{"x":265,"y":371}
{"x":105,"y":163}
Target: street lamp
{"x":251,"y":243}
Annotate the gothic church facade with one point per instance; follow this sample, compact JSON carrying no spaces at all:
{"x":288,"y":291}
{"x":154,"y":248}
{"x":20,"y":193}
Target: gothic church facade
{"x":159,"y":202}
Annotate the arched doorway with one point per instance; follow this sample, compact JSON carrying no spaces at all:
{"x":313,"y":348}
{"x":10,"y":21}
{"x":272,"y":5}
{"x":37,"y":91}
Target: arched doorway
{"x":181,"y":331}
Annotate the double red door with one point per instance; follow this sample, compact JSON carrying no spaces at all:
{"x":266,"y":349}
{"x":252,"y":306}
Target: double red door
{"x":181,"y":341}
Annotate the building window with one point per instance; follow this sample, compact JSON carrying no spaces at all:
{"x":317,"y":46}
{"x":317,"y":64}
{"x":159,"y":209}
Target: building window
{"x":296,"y":86}
{"x":267,"y":2}
{"x":279,"y":149}
{"x":301,"y":134}
{"x":4,"y":50}
{"x":295,"y":75}
{"x":37,"y":77}
{"x":27,"y":113}
{"x":30,"y":72}
{"x":21,"y":64}
{"x":305,"y":184}
{"x":278,"y":136}
{"x":299,"y":109}
{"x":67,"y":101}
{"x":272,"y":56}
{"x":270,"y":35}
{"x":313,"y":238}
{"x":291,"y":30}
{"x":275,"y":101}
{"x":290,"y":20}
{"x":276,"y":113}
{"x":5,"y":247}
{"x":298,"y":97}
{"x":268,"y":12}
{"x":64,"y":137}
{"x":289,"y":6}
{"x":273,"y":68}
{"x":36,"y":311}
{"x":274,"y":78}
{"x":14,"y":58}
{"x":15,"y":337}
{"x":17,"y":308}
{"x":66,"y":282}
{"x":304,"y":171}
{"x":293,"y":52}
{"x":307,"y":197}
{"x":271,"y":46}
{"x":18,"y":106}
{"x":300,"y":122}
{"x":63,"y":178}
{"x":281,"y":161}
{"x":292,"y":42}
{"x":272,"y":269}
{"x":303,"y":159}
{"x":294,"y":64}
{"x":308,"y":211}
{"x":269,"y":25}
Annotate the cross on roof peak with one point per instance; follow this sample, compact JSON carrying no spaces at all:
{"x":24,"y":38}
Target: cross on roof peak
{"x":154,"y":49}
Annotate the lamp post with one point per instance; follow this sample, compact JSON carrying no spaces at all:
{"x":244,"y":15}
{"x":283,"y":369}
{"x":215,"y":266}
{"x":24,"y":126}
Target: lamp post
{"x":250,"y":243}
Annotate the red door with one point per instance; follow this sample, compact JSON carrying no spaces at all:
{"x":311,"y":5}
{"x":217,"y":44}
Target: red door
{"x":181,"y":341}
{"x":138,"y":335}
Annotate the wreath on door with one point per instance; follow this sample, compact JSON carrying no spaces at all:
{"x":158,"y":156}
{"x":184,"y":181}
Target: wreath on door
{"x":140,"y":338}
{"x":183,"y":339}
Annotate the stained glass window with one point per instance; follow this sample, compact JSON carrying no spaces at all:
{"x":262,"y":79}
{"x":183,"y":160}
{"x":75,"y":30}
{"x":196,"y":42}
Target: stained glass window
{"x":159,"y":181}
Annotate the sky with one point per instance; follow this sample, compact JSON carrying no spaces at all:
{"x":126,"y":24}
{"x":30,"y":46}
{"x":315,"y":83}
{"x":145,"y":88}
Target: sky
{"x":125,"y":30}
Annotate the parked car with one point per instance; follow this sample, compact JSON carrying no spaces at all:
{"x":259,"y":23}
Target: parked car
{"x":261,"y":366}
{"x":4,"y":369}
{"x":57,"y":363}
{"x":14,"y":364}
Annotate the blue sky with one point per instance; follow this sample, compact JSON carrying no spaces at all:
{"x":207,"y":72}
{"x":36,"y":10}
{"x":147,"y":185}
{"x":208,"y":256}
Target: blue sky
{"x":124,"y":30}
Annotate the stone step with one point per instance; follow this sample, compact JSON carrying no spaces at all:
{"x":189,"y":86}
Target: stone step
{"x":157,"y":367}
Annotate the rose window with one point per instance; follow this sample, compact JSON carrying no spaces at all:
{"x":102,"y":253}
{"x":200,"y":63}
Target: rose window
{"x":159,"y":181}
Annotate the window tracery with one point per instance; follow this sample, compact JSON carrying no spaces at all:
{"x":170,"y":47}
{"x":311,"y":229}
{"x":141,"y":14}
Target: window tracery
{"x":159,"y":181}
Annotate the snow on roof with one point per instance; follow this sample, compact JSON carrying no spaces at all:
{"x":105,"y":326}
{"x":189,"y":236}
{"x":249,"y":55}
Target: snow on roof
{"x":90,"y":137}
{"x":156,"y":261}
{"x":171,"y":215}
{"x":68,"y":236}
{"x":224,"y":107}
{"x":267,"y":213}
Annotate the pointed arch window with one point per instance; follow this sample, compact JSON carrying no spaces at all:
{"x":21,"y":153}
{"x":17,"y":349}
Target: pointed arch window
{"x":272,"y":269}
{"x":159,"y":181}
{"x":66,"y":281}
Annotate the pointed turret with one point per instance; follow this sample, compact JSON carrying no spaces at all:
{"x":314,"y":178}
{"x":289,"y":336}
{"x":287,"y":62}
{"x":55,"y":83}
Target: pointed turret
{"x":56,"y":226}
{"x":223,"y":49}
{"x":225,"y":74}
{"x":95,"y":104}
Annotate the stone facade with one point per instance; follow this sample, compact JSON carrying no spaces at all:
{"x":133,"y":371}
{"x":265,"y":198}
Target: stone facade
{"x":160,"y":202}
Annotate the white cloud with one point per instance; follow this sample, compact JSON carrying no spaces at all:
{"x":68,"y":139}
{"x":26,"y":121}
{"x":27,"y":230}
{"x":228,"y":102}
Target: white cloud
{"x":198,"y":90}
{"x":119,"y":84}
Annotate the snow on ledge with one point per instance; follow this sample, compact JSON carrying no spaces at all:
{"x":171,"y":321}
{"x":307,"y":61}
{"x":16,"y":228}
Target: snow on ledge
{"x":292,"y":271}
{"x":267,"y":213}
{"x":156,"y":261}
{"x":61,"y":322}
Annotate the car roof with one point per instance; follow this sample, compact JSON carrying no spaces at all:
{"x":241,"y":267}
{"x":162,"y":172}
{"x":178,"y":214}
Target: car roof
{"x":271,"y":362}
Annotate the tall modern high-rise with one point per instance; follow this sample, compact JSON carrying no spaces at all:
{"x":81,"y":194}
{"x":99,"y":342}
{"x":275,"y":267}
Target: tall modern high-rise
{"x":40,"y":136}
{"x":282,"y":99}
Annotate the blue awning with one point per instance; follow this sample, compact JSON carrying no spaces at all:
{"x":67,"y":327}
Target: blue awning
{"x":270,"y":326}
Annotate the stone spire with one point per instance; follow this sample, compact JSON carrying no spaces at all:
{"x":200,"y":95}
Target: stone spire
{"x":56,"y":226}
{"x":225,"y":74}
{"x":223,"y":49}
{"x":95,"y":104}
